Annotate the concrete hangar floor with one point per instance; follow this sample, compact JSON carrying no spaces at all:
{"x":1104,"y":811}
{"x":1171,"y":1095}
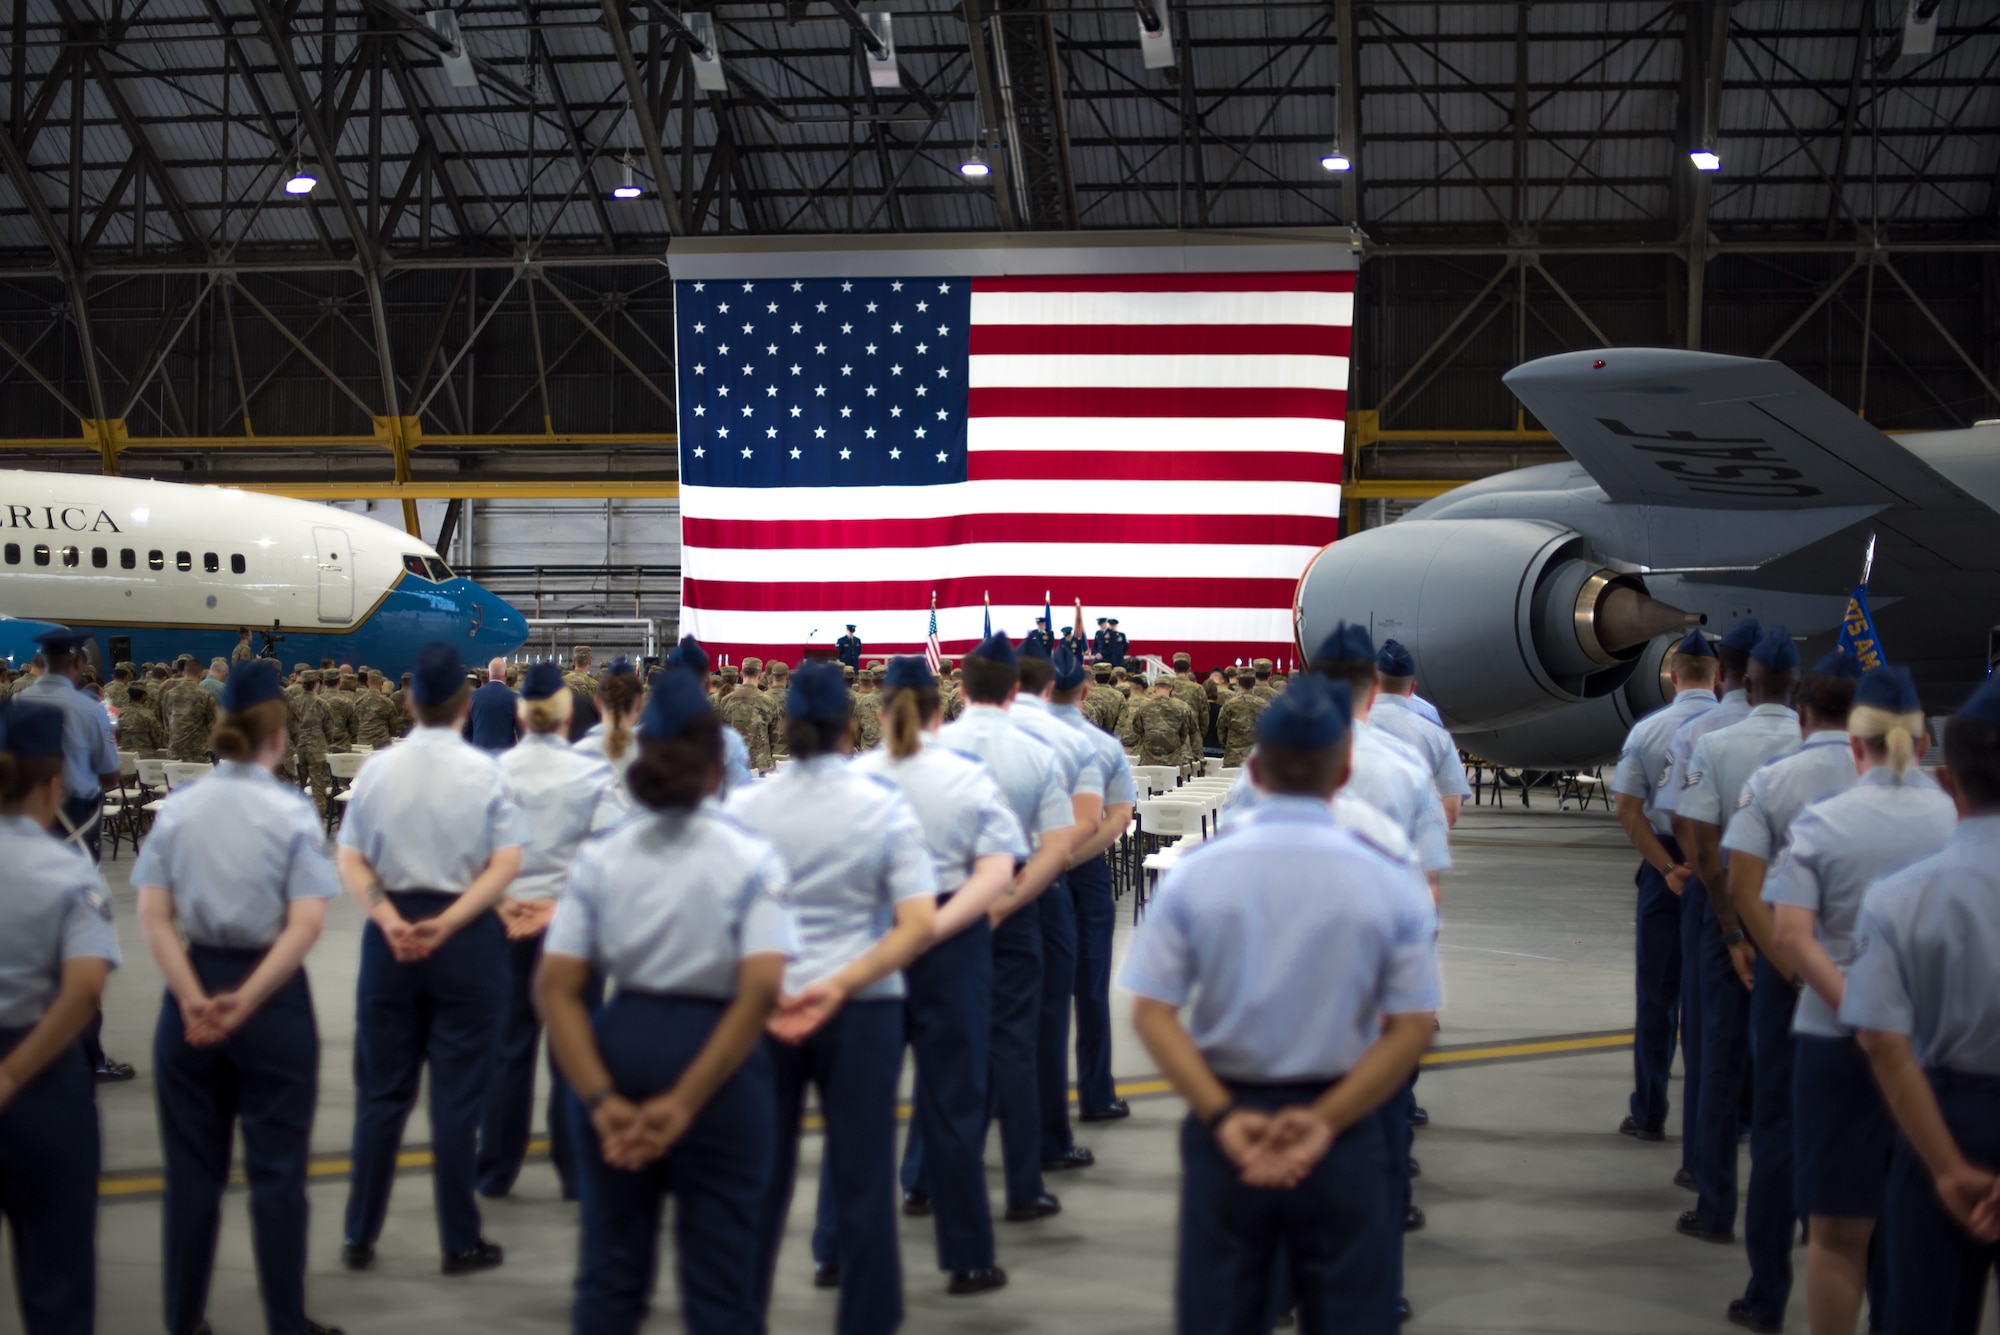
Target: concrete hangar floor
{"x":1541,"y":1217}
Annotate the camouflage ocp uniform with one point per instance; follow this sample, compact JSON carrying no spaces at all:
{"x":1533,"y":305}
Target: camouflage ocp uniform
{"x":578,"y":680}
{"x":744,"y":711}
{"x":1236,"y":725}
{"x":374,"y":717}
{"x":140,"y":730}
{"x":340,"y":719}
{"x":868,"y":714}
{"x":1159,"y":731}
{"x":1264,"y":688}
{"x":190,"y":718}
{"x":779,"y":681}
{"x":308,"y":719}
{"x":1104,"y":705}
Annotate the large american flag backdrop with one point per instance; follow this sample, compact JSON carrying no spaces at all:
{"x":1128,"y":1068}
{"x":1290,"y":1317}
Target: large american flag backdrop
{"x":1163,"y":446}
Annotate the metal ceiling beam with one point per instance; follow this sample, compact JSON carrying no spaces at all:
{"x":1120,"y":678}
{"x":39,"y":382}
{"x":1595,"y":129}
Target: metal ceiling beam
{"x":642,"y":112}
{"x":1349,"y":94}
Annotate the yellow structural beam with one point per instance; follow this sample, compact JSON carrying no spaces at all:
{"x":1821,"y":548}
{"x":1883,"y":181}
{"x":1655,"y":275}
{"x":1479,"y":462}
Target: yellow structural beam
{"x":1364,"y":428}
{"x":444,"y":491}
{"x":1381,"y":489}
{"x":113,"y":434}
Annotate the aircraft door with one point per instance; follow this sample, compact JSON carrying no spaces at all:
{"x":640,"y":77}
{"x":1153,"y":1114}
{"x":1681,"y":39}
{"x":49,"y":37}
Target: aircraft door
{"x":336,"y":582}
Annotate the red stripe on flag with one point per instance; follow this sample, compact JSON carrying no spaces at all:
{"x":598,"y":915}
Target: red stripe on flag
{"x":1161,"y":340}
{"x":1143,"y":466}
{"x":954,"y":530}
{"x":1171,"y":282}
{"x":898,"y":595}
{"x":1148,"y":401}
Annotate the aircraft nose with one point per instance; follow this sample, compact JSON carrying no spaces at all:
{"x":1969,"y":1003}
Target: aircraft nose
{"x":501,"y":627}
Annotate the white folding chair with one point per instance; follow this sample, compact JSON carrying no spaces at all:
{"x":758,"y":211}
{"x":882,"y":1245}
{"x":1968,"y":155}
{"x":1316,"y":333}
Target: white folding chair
{"x":180,"y":772}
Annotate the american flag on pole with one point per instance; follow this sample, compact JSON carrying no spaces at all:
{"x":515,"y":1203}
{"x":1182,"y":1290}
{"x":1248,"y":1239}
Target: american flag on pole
{"x":1165,"y":446}
{"x":933,"y":652}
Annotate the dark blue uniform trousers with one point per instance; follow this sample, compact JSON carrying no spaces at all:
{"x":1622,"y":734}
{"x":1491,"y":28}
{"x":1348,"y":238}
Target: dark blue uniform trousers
{"x":1052,"y":1041}
{"x":1659,"y":987}
{"x":1770,"y":1208}
{"x":1725,"y":1071}
{"x":1090,"y":891}
{"x":446,"y":1011}
{"x":265,"y":1075}
{"x":1694,"y":908}
{"x":1017,"y":1009}
{"x":48,"y":1192}
{"x":510,"y":1102}
{"x":1939,"y":1273}
{"x":719,"y":1174}
{"x":853,"y":1062}
{"x":948,"y":1020}
{"x":1337,"y":1231}
{"x":1394,"y":1118}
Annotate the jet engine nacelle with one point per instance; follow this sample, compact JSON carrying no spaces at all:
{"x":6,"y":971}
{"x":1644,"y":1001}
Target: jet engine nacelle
{"x":1586,"y":735}
{"x":1508,"y":619}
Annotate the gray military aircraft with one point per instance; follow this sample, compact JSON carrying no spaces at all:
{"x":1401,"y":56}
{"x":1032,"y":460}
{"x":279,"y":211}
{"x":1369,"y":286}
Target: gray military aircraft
{"x":1540,"y":603}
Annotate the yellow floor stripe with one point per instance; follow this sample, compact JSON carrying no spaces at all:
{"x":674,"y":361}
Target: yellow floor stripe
{"x":114,"y":1185}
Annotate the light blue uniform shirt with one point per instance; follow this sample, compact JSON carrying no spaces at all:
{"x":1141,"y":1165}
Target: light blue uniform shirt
{"x":430,"y":812}
{"x":1842,"y":846}
{"x":854,"y":851}
{"x":1775,"y":795}
{"x":1383,"y":773}
{"x":673,"y":901}
{"x":1433,"y":745}
{"x":1732,"y":709}
{"x":234,"y":850}
{"x":1722,"y":762}
{"x":1642,"y":764}
{"x":963,"y":813}
{"x":1924,"y":953}
{"x":89,"y":747}
{"x":1425,"y":709}
{"x":1026,"y":770}
{"x":1111,"y":759}
{"x":1082,"y":772}
{"x":558,"y":789}
{"x":55,"y":909}
{"x":1290,"y":940}
{"x":596,"y":742}
{"x":735,"y":758}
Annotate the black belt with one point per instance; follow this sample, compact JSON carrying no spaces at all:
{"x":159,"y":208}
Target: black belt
{"x":1943,"y":1077}
{"x":227,"y":954}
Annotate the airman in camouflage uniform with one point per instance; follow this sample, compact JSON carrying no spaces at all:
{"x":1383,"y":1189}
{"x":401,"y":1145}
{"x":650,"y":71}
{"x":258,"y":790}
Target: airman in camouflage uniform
{"x":771,"y":702}
{"x":868,"y":711}
{"x":308,"y":734}
{"x":139,"y":728}
{"x":1264,"y":687}
{"x":1159,"y":727}
{"x":778,"y":681}
{"x":374,"y":714}
{"x":1104,"y":702}
{"x":1236,"y":725}
{"x":579,"y":678}
{"x":743,"y":709}
{"x":190,"y":716}
{"x":120,"y":683}
{"x":242,"y":653}
{"x":1186,"y":689}
{"x":339,"y":712}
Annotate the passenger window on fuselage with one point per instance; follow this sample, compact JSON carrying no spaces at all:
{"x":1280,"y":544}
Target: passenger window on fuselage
{"x":183,"y":561}
{"x":99,"y":558}
{"x":41,"y":554}
{"x":156,"y":559}
{"x":210,"y":562}
{"x":127,"y":559}
{"x":236,"y":566}
{"x":72,"y":558}
{"x":13,"y":553}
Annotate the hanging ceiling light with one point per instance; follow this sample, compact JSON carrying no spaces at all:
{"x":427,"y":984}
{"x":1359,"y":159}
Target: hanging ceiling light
{"x":627,"y":188}
{"x":974,"y":165}
{"x":1336,"y":161}
{"x":302,"y":181}
{"x":1705,"y":160}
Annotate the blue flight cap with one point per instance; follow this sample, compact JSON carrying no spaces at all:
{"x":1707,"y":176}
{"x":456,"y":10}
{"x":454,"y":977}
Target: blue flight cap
{"x":1070,"y":671}
{"x":1310,"y":714}
{"x":1347,"y":644}
{"x":31,"y":731}
{"x":998,"y":648}
{"x":677,"y":700}
{"x":690,"y":655}
{"x":1695,"y":645}
{"x":1893,"y":690}
{"x":251,"y":684}
{"x":1983,"y":705}
{"x":818,"y":694}
{"x":61,"y":640}
{"x":1776,"y":651}
{"x":1839,"y":663}
{"x":1393,"y":660}
{"x":1743,"y":635}
{"x":541,"y":681}
{"x":1032,"y":647}
{"x":438,"y":674}
{"x":621,"y":666}
{"x":908,"y":672}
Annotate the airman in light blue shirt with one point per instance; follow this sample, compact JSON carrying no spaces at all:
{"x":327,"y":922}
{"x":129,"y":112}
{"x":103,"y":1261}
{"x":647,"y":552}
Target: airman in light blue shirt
{"x":557,"y":788}
{"x":57,"y":908}
{"x":1771,"y":799}
{"x":1394,"y":715}
{"x":235,"y":850}
{"x":1384,"y":778}
{"x":1081,"y":769}
{"x":1112,"y":761}
{"x":430,"y":812}
{"x":1026,"y":769}
{"x":90,"y":750}
{"x":961,"y":811}
{"x":1642,"y":764}
{"x":1721,"y":762}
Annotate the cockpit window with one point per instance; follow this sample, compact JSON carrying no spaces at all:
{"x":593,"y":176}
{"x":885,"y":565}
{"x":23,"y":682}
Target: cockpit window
{"x":415,"y":565}
{"x":439,"y":570}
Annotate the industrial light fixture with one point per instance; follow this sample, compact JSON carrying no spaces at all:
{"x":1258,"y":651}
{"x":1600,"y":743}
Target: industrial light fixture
{"x":974,"y":167}
{"x":1336,"y":161}
{"x":302,"y":181}
{"x":1705,"y":160}
{"x":627,"y":188}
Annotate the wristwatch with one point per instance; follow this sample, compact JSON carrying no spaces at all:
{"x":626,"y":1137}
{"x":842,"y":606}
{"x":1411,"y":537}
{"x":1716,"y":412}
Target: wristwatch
{"x":591,"y":1102}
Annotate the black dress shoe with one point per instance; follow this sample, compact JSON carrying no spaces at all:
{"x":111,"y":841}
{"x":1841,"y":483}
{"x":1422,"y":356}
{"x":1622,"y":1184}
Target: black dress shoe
{"x":1418,"y":1117}
{"x":112,"y":1072}
{"x":1402,"y":1310}
{"x":1416,"y":1169}
{"x":1413,"y":1219}
{"x":983,"y":1280}
{"x":1113,"y":1111}
{"x":1685,"y":1181}
{"x":485,"y":1256}
{"x":1741,"y":1315}
{"x":1073,"y":1157}
{"x":1630,"y":1127}
{"x":1041,"y":1207}
{"x":1689,"y":1224}
{"x":358,"y":1255}
{"x":916,"y":1204}
{"x":826,"y":1276}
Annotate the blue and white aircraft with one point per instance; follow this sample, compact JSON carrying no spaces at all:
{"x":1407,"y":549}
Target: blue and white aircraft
{"x":157,"y":569}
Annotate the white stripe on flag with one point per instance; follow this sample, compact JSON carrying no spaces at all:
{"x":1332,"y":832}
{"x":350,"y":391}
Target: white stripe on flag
{"x":1011,"y":497}
{"x":1158,"y":371}
{"x":1155,"y":435}
{"x":1055,"y":560}
{"x":1177,"y":308}
{"x":1177,"y":625}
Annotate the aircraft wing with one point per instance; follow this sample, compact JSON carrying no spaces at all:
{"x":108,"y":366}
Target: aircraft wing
{"x":1661,"y":426}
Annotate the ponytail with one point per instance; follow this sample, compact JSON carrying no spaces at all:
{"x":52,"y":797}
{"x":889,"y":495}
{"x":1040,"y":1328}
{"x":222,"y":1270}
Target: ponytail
{"x":1890,"y":736}
{"x":550,"y":714}
{"x":675,"y":773}
{"x":21,"y":776}
{"x":621,"y":694}
{"x":906,"y":711}
{"x":238,"y":736}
